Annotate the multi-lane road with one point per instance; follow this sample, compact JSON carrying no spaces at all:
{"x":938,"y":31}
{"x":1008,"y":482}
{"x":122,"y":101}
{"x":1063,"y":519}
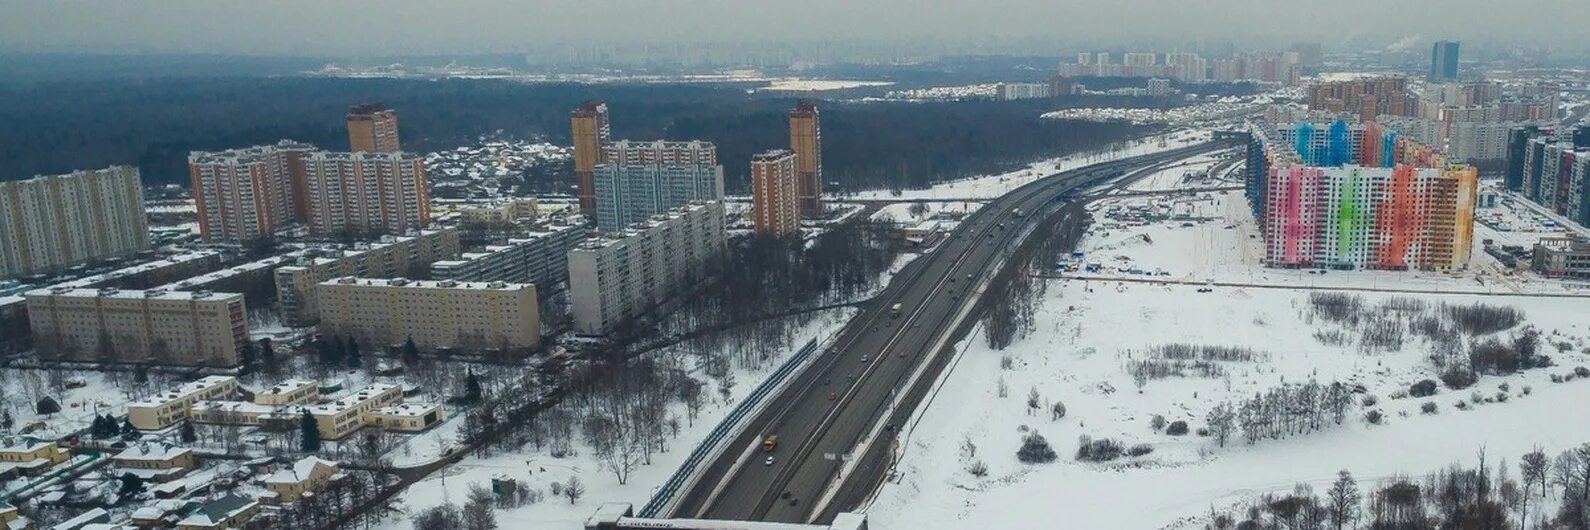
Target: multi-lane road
{"x":876,"y":371}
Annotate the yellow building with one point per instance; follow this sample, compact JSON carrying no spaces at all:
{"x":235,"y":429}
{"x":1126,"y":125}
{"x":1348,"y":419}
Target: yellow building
{"x":408,"y":417}
{"x":500,"y":213}
{"x":11,"y":519}
{"x":229,"y":511}
{"x":393,"y":256}
{"x":159,"y":462}
{"x":289,"y":392}
{"x":29,"y":457}
{"x":344,"y":416}
{"x":436,"y":314}
{"x":156,"y":325}
{"x":169,"y":407}
{"x":309,"y":474}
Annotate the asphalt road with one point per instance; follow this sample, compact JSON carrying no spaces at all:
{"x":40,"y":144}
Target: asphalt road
{"x":839,"y":399}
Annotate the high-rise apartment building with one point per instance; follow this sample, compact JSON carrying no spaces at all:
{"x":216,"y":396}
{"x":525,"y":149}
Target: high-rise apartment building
{"x":372,"y":127}
{"x":1358,"y":196}
{"x":620,"y":276}
{"x":365,"y":192}
{"x":640,"y":179}
{"x":1557,"y":176}
{"x":393,"y":256}
{"x":541,"y":259}
{"x":1444,"y":61}
{"x":436,"y":314}
{"x":1366,"y":98}
{"x":590,"y":132}
{"x":157,"y":325}
{"x":806,"y":140}
{"x":774,"y":192}
{"x":49,"y":223}
{"x":246,"y":194}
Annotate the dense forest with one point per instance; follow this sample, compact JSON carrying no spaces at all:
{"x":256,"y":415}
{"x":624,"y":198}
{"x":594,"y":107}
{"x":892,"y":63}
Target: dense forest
{"x":58,"y":126}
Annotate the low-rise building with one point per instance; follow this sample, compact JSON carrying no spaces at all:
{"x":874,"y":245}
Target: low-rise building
{"x":155,"y":461}
{"x":307,"y":475}
{"x":541,"y":259}
{"x":225,"y":512}
{"x":158,"y":325}
{"x":408,"y":417}
{"x":96,"y":516}
{"x":22,"y":456}
{"x":289,"y":392}
{"x":344,"y":416}
{"x":167,"y":408}
{"x":11,"y":519}
{"x":622,"y":275}
{"x":505,"y":212}
{"x":436,"y":314}
{"x":1562,"y":257}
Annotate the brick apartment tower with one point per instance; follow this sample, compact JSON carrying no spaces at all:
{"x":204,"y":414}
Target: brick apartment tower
{"x":806,"y":140}
{"x":372,"y":127}
{"x":774,"y":191}
{"x":588,"y":123}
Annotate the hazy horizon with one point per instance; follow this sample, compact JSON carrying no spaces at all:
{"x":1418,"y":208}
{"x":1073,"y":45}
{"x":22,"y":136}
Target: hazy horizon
{"x":412,"y":27}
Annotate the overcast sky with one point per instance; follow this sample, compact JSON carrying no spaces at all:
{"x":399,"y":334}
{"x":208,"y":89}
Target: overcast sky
{"x":367,"y":27}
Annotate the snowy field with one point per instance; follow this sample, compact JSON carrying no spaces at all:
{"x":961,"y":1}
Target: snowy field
{"x":988,"y":187}
{"x":1191,"y":173}
{"x":1077,"y":356}
{"x":1091,"y":334}
{"x":901,"y":212}
{"x":539,"y":469}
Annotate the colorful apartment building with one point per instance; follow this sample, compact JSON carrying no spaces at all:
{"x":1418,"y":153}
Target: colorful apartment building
{"x":1358,"y":197}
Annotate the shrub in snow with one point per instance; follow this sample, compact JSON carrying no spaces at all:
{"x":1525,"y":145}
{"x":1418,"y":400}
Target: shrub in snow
{"x":1369,"y":400}
{"x":1461,"y":405}
{"x":1057,"y":411}
{"x":1400,"y":394}
{"x":1100,"y":450}
{"x":1543,"y":361}
{"x":978,"y":469}
{"x":1425,"y":388}
{"x":1555,"y":378}
{"x":1203,"y":431}
{"x":1176,"y":428}
{"x":1501,"y":397}
{"x":1477,"y":397}
{"x":1458,"y":377}
{"x":1157,"y":423}
{"x":1527,"y":389}
{"x":1374,"y":417}
{"x":1504,"y":387}
{"x":1581,"y":371}
{"x":1428,"y":407}
{"x":1140,"y":450}
{"x":1035,"y":450}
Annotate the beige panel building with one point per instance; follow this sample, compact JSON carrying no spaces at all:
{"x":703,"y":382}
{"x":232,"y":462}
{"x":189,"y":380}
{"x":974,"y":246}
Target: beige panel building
{"x":365,"y":192}
{"x":53,"y":222}
{"x":372,"y":127}
{"x":166,"y":408}
{"x":622,"y":275}
{"x":436,"y":314}
{"x":774,"y":192}
{"x":157,"y":325}
{"x":394,"y":256}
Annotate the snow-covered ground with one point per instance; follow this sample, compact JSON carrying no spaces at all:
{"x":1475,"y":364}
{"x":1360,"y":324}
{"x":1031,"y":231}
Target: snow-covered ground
{"x":901,"y":213}
{"x":990,"y":186}
{"x":1188,"y":174}
{"x":1077,"y":354}
{"x":539,"y":469}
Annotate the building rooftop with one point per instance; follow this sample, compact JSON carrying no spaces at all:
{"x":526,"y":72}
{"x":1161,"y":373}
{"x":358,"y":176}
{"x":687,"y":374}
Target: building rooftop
{"x":427,"y":284}
{"x":219,"y":510}
{"x":132,"y":294}
{"x":299,"y":471}
{"x":353,"y":400}
{"x":408,"y":409}
{"x":152,"y":451}
{"x":186,"y":389}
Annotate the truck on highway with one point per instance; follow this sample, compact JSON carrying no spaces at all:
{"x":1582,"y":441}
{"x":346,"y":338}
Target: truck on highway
{"x":769,"y":443}
{"x":895,"y":310}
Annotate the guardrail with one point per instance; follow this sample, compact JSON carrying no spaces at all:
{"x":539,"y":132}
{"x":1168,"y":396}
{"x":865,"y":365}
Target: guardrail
{"x":726,"y":427}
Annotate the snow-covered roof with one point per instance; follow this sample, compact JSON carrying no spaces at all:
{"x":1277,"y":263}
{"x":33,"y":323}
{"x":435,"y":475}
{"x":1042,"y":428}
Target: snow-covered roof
{"x":218,"y":511}
{"x":151,"y":451}
{"x":22,"y":444}
{"x":187,"y":389}
{"x":299,"y":471}
{"x":407,"y":409}
{"x":358,"y":398}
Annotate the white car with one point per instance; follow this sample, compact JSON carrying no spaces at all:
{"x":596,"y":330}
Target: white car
{"x":768,"y":462}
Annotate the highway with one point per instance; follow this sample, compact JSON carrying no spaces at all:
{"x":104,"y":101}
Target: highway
{"x":856,"y":390}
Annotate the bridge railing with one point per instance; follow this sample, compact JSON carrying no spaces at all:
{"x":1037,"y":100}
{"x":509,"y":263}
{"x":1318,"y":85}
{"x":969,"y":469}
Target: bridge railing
{"x":723,"y":430}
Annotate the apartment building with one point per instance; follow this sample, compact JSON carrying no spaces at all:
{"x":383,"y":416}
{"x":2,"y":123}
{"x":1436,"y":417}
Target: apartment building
{"x":591,"y":131}
{"x":640,"y":179}
{"x":500,"y":213}
{"x":289,"y":392}
{"x":167,"y":408}
{"x":1562,"y":257}
{"x":407,"y":417}
{"x":1347,"y":197}
{"x":806,"y":140}
{"x":1556,"y":175}
{"x":775,"y":192}
{"x":1365,"y":98}
{"x":372,"y":127}
{"x":365,"y":192}
{"x":392,"y":256}
{"x":50,"y":223}
{"x":542,"y":259}
{"x":245,"y":194}
{"x":619,"y":276}
{"x":436,"y":314}
{"x":156,"y":325}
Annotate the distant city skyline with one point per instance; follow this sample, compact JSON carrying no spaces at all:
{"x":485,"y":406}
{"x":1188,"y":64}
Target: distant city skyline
{"x":307,"y":28}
